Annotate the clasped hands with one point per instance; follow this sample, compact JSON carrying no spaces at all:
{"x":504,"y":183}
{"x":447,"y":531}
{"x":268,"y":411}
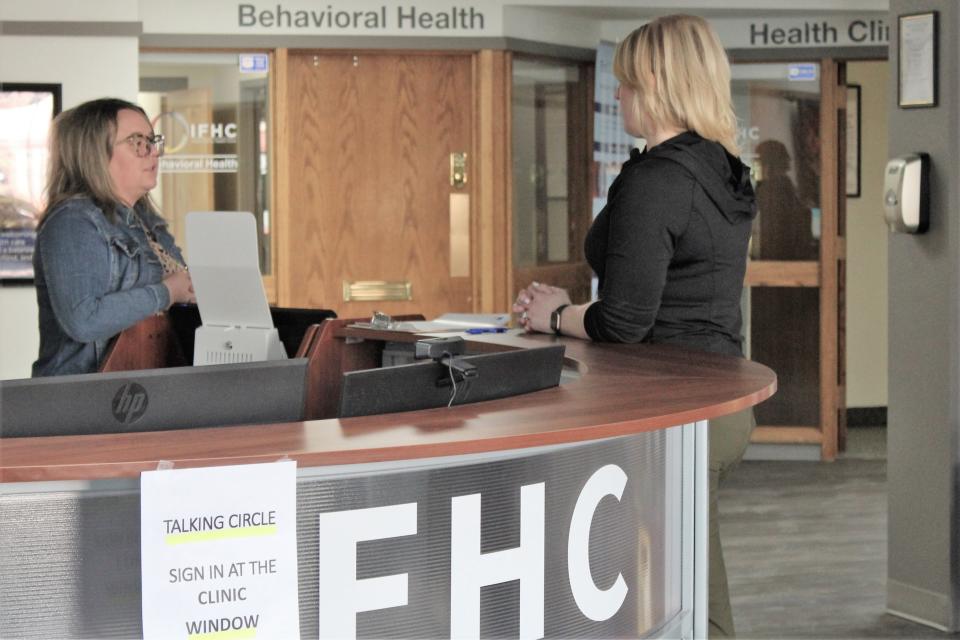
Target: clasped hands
{"x":180,"y":286}
{"x":535,"y":303}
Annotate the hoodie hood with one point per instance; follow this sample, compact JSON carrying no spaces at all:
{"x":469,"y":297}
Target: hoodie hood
{"x":724,"y":178}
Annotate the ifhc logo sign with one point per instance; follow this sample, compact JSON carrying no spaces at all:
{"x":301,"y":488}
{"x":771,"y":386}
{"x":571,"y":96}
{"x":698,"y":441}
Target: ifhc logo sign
{"x":130,"y":403}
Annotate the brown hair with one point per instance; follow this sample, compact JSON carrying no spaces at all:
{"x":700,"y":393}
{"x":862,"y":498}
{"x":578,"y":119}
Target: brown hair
{"x":681,"y":77}
{"x":81,"y":145}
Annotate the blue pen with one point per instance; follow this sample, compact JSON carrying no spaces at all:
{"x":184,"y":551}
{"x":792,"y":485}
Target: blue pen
{"x":476,"y":330}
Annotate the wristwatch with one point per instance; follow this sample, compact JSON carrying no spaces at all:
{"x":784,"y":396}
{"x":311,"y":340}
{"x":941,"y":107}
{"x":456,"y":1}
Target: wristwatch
{"x":555,"y":318}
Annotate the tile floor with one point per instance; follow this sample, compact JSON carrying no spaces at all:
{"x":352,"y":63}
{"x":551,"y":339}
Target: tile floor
{"x":805,"y":546}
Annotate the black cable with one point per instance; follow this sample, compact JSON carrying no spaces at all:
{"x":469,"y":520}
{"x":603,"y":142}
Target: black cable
{"x":453,"y":378}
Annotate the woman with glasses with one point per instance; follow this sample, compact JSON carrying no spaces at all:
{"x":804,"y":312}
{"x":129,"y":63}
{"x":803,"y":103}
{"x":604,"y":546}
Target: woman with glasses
{"x":104,"y":259}
{"x":670,"y":246}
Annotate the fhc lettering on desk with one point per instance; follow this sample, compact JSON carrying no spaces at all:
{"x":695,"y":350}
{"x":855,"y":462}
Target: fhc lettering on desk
{"x":342,"y":595}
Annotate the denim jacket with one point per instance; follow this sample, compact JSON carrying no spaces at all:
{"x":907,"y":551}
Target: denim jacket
{"x":94,"y":279}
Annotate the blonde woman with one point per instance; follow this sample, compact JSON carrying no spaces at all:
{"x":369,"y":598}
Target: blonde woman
{"x":104,"y":259}
{"x":670,"y":246}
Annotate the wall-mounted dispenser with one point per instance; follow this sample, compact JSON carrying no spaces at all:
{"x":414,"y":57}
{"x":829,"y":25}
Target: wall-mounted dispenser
{"x":906,"y":193}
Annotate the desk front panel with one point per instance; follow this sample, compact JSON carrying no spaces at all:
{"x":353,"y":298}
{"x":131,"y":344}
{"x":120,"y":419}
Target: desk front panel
{"x":71,"y":551}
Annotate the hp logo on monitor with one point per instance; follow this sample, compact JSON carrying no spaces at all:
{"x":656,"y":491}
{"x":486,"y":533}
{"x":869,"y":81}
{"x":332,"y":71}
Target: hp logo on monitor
{"x":130,"y":403}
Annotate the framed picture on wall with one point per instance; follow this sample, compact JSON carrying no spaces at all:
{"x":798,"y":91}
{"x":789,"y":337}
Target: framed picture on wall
{"x":25,"y":113}
{"x":853,"y":141}
{"x":917,"y":60}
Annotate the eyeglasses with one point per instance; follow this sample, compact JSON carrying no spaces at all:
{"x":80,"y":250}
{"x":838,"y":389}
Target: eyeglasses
{"x":143,"y":145}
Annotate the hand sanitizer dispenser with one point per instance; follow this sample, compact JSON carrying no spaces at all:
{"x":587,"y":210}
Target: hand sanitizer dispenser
{"x":906,"y":193}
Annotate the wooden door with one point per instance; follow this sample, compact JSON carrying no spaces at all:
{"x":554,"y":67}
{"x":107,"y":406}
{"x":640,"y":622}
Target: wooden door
{"x":367,"y":139}
{"x":795,"y":275}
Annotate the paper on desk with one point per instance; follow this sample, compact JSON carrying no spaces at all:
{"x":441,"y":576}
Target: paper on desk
{"x":455,"y":322}
{"x":451,"y":322}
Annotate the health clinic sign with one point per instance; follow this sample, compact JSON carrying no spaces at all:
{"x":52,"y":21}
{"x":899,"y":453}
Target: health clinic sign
{"x":825,"y":31}
{"x":817,"y":32}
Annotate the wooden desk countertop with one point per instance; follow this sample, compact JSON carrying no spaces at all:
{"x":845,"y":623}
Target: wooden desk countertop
{"x":622,"y":389}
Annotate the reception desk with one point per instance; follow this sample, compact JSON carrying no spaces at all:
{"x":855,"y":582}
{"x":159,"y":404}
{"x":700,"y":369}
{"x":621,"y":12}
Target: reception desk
{"x":600,"y":485}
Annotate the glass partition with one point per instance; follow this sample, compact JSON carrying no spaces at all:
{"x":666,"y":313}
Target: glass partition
{"x":550,"y":155}
{"x":778,"y":107}
{"x":540,"y":106}
{"x":780,"y":139}
{"x":213,"y":109}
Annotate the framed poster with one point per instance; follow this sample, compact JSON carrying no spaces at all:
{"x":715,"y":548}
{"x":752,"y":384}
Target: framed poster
{"x":853,"y":141}
{"x":26,"y":111}
{"x":917,"y":60}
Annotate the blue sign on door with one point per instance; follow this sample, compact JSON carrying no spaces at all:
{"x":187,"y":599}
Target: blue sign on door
{"x":254,"y":62}
{"x":802,"y":71}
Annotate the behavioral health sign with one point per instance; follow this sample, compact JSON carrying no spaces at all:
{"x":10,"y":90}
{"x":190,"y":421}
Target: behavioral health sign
{"x":219,"y":552}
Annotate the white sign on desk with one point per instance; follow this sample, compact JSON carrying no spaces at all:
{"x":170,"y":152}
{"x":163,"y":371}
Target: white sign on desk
{"x":219,"y":552}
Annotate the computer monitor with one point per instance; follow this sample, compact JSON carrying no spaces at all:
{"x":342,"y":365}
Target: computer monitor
{"x":154,"y":399}
{"x":427,"y":384}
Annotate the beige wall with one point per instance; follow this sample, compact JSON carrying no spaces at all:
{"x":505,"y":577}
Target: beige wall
{"x":867,"y":246}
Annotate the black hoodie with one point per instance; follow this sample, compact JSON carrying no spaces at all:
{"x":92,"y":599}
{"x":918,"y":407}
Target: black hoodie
{"x":670,"y":248}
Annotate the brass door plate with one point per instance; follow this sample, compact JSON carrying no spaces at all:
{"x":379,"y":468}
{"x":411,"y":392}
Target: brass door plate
{"x":376,"y":291}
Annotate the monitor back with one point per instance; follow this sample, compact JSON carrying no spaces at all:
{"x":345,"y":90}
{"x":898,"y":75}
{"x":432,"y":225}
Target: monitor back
{"x":426,"y":385}
{"x":154,"y":399}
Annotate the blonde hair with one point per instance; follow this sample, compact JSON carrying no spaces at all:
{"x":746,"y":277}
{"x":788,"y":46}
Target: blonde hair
{"x":81,"y":145}
{"x":681,"y":77}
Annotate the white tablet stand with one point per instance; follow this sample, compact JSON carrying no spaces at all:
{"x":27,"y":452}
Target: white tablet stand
{"x":236,"y":323}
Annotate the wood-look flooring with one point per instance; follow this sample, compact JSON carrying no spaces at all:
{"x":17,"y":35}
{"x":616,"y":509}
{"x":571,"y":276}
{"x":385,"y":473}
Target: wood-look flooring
{"x":806,"y":549}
